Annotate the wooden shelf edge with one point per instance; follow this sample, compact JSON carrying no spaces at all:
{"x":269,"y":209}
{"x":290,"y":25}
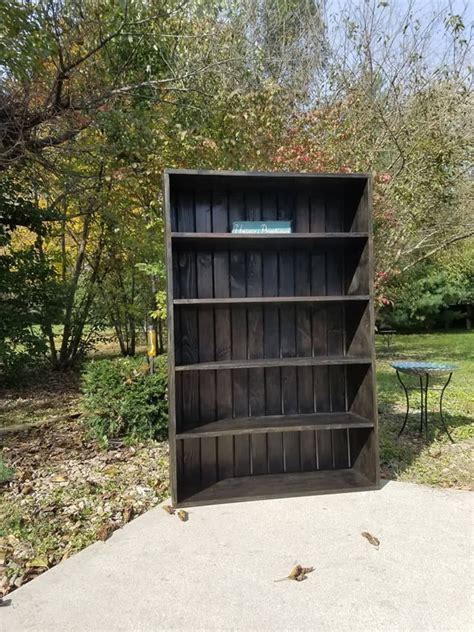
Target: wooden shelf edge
{"x":284,"y":485}
{"x":263,"y":236}
{"x":272,"y":362}
{"x":251,"y":300}
{"x":276,"y":423}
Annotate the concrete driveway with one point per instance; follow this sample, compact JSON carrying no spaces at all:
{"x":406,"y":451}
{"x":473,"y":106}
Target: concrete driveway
{"x":217,"y":571}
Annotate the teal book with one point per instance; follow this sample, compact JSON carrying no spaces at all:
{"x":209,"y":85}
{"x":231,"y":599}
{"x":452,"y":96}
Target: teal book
{"x":263,"y":228}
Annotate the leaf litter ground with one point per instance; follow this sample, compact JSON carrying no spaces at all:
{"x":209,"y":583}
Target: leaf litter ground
{"x":68,"y":492}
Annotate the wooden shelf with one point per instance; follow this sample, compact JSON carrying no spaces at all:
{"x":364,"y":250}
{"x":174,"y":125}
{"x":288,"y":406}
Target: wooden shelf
{"x":262,"y":300}
{"x":277,"y":423}
{"x":228,"y":241}
{"x":265,"y":486}
{"x":272,"y":362}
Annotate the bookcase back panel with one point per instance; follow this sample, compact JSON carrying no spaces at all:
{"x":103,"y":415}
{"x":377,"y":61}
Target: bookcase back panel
{"x":206,"y":396}
{"x":208,"y":206}
{"x":208,"y":333}
{"x":251,"y":273}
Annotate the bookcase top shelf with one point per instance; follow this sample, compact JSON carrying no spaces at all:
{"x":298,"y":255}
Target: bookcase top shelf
{"x":258,"y":240}
{"x":272,"y":362}
{"x":277,"y":423}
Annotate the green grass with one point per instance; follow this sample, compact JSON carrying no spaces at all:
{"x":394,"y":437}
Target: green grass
{"x":435,"y":461}
{"x":6,"y":473}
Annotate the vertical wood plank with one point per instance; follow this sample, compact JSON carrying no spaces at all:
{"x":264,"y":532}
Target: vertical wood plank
{"x":308,"y":451}
{"x":187,"y":274}
{"x":192,"y":463}
{"x":318,"y":274}
{"x":317,"y":211}
{"x":273,"y":407}
{"x":324,"y":440}
{"x":185,"y":212}
{"x":170,"y":202}
{"x":335,"y":209}
{"x":179,"y":468}
{"x":238,"y":285}
{"x":303,"y":349}
{"x":220,"y":224}
{"x":258,"y":442}
{"x":208,"y":461}
{"x":302,"y":223}
{"x":334,"y":272}
{"x":203,"y":211}
{"x":340,"y":446}
{"x":255,"y":312}
{"x":241,"y":409}
{"x":177,"y":335}
{"x":220,"y":211}
{"x":222,"y":314}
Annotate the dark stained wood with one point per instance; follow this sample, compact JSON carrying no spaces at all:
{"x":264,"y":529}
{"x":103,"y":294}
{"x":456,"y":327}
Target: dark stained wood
{"x":192,"y":462}
{"x":273,"y":362}
{"x":256,"y":300}
{"x":230,"y":241}
{"x":258,"y":442}
{"x":271,"y":354}
{"x":208,"y":460}
{"x":279,"y":486}
{"x":203,"y":212}
{"x":172,"y":281}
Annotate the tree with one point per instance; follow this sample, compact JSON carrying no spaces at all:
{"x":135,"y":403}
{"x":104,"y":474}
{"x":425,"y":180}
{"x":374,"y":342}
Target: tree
{"x":391,"y":111}
{"x":29,"y":290}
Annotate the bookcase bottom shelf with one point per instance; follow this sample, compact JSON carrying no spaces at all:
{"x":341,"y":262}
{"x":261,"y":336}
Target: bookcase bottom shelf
{"x":267,"y":486}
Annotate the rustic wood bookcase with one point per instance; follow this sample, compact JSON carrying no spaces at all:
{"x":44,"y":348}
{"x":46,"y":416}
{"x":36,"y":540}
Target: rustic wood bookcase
{"x":271,"y":350}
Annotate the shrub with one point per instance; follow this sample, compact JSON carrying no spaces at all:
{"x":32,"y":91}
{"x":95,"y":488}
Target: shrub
{"x":122,"y":400}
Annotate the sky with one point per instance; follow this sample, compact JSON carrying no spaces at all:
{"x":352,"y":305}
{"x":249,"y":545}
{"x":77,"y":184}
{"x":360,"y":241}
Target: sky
{"x":430,"y":13}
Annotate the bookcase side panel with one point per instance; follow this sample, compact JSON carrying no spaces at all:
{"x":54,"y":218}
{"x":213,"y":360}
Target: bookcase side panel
{"x":169,"y":212}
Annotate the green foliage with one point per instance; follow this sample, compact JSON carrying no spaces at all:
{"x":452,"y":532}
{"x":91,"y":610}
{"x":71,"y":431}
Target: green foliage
{"x":6,"y":473}
{"x":420,"y":300}
{"x":28,"y":287}
{"x":121,"y":399}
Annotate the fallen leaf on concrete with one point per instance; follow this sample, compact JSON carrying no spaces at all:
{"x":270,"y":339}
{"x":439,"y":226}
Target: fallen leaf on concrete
{"x":183,"y":515}
{"x":5,"y":602}
{"x":371,"y":538}
{"x":298,"y":573}
{"x":169,"y":509}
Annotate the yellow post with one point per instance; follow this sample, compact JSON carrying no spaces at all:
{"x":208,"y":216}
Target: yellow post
{"x":151,"y":346}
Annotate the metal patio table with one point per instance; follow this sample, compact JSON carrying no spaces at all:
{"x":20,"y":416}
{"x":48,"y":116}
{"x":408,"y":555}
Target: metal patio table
{"x":425,"y":371}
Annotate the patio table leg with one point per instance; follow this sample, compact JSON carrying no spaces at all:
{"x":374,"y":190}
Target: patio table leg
{"x":426,"y":406}
{"x":441,"y":408}
{"x":408,"y":403}
{"x":422,"y":405}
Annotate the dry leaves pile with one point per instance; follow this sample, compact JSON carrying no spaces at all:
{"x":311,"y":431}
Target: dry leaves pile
{"x":67,"y":492}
